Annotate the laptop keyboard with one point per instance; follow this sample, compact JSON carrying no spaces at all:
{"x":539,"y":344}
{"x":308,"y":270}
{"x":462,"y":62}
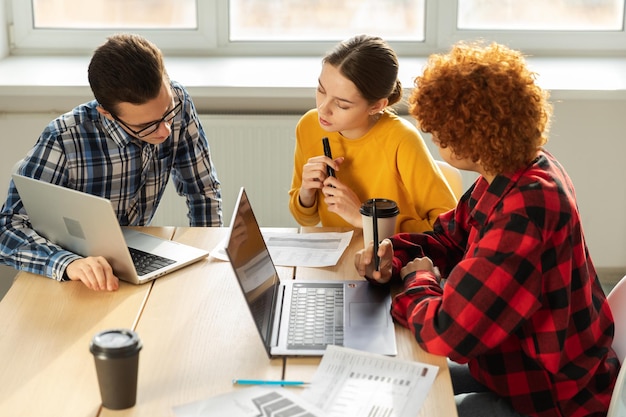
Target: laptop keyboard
{"x":147,"y":262}
{"x":316,"y":317}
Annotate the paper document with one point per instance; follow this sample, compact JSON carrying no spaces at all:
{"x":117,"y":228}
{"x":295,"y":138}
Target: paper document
{"x":347,"y":383}
{"x":354,"y":383}
{"x":299,"y":249}
{"x":307,"y":249}
{"x":251,"y":402}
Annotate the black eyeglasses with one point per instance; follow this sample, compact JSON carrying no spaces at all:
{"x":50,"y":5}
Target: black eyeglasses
{"x":152,"y":127}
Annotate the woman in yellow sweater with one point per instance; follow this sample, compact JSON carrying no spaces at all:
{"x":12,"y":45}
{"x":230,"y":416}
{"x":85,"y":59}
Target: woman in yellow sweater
{"x":376,"y":154}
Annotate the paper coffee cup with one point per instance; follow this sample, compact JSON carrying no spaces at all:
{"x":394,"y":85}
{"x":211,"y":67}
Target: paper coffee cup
{"x":386,"y":212}
{"x":116,"y":355}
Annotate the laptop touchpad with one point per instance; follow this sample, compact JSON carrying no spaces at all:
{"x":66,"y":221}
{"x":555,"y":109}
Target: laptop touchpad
{"x":368,"y":324}
{"x":367,"y":314}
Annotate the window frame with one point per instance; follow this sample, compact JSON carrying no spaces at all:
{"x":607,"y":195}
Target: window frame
{"x":25,"y":40}
{"x":536,"y":42}
{"x":211,"y":38}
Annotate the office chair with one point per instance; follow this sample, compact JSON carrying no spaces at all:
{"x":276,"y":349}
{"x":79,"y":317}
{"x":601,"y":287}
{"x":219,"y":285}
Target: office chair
{"x":617,"y":407}
{"x":617,"y":302}
{"x":453,"y":177}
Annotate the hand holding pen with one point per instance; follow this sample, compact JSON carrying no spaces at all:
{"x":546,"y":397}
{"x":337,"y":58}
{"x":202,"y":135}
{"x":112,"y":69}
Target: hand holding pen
{"x":364,"y":261}
{"x":329,"y":170}
{"x":314,"y":172}
{"x":340,"y":198}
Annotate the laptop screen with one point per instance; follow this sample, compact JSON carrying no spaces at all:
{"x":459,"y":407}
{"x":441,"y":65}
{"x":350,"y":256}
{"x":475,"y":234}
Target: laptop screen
{"x":253,"y":266}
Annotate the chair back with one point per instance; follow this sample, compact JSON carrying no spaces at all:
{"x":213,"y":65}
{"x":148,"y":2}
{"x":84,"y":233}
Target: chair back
{"x":617,"y":407}
{"x":617,"y":302}
{"x":453,"y":177}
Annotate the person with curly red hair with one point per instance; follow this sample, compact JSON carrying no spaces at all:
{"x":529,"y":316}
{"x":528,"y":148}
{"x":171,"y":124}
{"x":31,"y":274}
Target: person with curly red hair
{"x":504,"y":285}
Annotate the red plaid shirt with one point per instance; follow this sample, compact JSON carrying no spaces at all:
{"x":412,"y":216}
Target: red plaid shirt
{"x":522,"y":303}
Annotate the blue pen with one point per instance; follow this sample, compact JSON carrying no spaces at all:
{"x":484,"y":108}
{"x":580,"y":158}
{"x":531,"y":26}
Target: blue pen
{"x":266,"y":382}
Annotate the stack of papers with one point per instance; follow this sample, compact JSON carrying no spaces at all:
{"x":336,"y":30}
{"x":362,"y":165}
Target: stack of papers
{"x":347,"y":383}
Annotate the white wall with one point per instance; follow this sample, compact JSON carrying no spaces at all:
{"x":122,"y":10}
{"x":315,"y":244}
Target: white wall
{"x":587,"y":137}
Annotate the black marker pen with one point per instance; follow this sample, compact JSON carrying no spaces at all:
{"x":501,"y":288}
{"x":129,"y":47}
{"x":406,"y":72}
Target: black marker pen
{"x":375,"y":233}
{"x":329,"y":170}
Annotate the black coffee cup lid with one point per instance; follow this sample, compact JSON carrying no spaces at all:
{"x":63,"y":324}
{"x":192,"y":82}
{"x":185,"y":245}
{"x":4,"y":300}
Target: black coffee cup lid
{"x":384,"y":207}
{"x":115,"y":343}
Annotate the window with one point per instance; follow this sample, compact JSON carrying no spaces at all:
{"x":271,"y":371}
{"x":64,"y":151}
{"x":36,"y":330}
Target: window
{"x":311,"y":27}
{"x":131,"y":14}
{"x":547,"y":15}
{"x":552,"y":26}
{"x":78,"y":26}
{"x":297,"y":20}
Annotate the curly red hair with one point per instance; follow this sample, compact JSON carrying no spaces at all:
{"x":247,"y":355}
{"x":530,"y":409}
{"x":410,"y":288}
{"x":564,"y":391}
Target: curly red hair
{"x":483,"y":102}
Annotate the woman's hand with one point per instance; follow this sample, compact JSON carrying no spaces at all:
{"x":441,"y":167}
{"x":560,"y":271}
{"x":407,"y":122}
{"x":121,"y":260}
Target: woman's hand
{"x":341,"y":200}
{"x":314,"y":173}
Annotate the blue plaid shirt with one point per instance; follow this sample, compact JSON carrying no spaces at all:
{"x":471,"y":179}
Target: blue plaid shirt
{"x":85,"y":151}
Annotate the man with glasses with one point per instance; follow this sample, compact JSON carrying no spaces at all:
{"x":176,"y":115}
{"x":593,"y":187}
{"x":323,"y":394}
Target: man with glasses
{"x":140,"y":129}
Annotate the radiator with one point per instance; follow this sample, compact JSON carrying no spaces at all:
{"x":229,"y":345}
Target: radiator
{"x":254,"y":151}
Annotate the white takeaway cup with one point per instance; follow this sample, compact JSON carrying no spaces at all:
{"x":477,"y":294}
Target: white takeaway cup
{"x":386,"y":212}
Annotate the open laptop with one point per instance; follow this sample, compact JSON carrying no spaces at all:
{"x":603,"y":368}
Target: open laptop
{"x":87,"y":225}
{"x":359,"y":316}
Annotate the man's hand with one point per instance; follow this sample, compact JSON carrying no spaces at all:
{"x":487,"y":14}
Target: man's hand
{"x":364,"y":262}
{"x":420,"y":264}
{"x":95,"y":272}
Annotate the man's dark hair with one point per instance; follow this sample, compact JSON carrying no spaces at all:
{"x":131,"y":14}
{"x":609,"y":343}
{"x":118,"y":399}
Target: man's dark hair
{"x":127,"y":68}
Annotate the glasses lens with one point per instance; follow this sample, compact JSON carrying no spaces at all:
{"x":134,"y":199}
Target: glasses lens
{"x":148,"y":130}
{"x":170,"y":116}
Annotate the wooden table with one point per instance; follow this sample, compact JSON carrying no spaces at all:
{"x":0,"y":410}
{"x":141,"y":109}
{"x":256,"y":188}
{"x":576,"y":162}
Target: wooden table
{"x":46,"y":366}
{"x":440,"y":400}
{"x":196,"y":331}
{"x":197,"y":334}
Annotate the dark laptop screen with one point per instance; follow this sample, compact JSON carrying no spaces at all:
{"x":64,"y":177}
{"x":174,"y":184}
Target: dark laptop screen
{"x":253,"y":266}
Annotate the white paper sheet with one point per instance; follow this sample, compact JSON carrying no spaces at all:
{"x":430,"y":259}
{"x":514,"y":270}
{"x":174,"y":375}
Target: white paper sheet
{"x":351,"y":383}
{"x":299,"y":249}
{"x":255,"y":401}
{"x":347,"y":383}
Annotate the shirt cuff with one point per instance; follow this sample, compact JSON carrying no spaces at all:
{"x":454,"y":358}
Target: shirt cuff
{"x":408,"y":276}
{"x":59,"y":264}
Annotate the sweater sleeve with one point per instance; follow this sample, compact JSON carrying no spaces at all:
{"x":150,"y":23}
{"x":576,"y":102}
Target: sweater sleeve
{"x":305,"y":216}
{"x":426,"y":187}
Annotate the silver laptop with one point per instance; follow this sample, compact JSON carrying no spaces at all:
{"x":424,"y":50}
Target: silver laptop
{"x":86,"y":224}
{"x":355,"y":314}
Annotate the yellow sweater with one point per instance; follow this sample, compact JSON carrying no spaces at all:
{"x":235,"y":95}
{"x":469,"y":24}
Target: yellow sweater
{"x":391,"y":161}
